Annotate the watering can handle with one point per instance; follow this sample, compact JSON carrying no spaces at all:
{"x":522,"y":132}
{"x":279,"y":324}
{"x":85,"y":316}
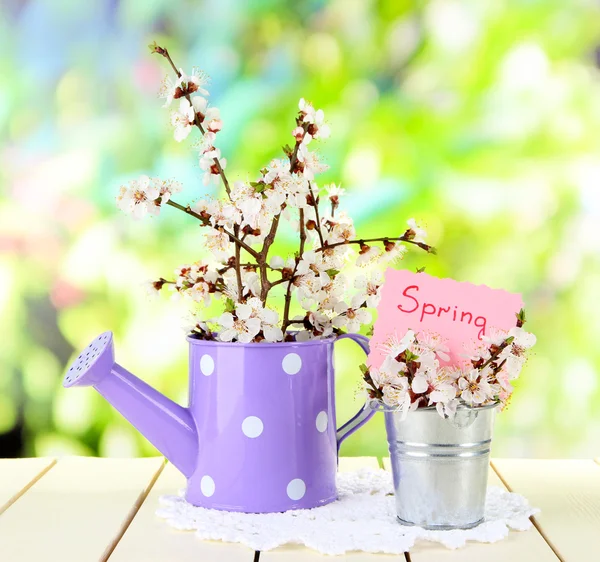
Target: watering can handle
{"x":365,"y":413}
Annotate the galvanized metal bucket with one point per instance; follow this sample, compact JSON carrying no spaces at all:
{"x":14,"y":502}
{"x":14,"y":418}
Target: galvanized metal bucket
{"x":440,"y":466}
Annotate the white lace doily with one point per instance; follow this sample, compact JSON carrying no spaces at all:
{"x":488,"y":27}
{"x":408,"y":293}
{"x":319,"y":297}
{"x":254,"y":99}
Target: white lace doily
{"x":363,"y":518}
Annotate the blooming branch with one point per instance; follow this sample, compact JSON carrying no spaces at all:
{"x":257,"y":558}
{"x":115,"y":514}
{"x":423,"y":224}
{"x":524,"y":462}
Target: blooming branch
{"x":179,"y":91}
{"x":251,"y":217}
{"x":411,"y":375}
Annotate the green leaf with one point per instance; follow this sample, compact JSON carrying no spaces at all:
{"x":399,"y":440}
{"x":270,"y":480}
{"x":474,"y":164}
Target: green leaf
{"x":363,"y":368}
{"x":259,"y":186}
{"x":332,"y":272}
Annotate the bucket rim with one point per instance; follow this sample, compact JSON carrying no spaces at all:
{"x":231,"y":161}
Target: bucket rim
{"x":379,"y":406}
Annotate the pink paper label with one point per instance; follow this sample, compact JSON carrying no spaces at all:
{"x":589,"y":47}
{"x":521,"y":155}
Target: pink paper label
{"x":461,"y":313}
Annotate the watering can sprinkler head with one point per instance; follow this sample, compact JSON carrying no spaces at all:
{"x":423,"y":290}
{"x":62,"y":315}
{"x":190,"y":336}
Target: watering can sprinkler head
{"x":94,"y":363}
{"x":167,"y":425}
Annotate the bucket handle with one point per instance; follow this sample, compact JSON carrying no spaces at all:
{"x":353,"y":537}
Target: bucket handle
{"x":366,"y":412}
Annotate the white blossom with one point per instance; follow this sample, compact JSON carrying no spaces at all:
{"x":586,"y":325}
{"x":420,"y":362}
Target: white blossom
{"x":368,"y":289}
{"x":206,"y":143}
{"x":192,"y":324}
{"x":349,"y":317}
{"x":495,"y":336}
{"x":182,"y":120}
{"x":320,"y":322}
{"x":210,"y":117}
{"x":194,"y":82}
{"x":334,"y":190}
{"x":298,"y":133}
{"x":276,"y":262}
{"x":522,"y":339}
{"x":419,"y":233}
{"x":153,"y":287}
{"x":397,"y":396}
{"x":251,"y":282}
{"x":167,"y":90}
{"x":475,"y":388}
{"x":217,"y":242}
{"x":312,"y":263}
{"x":319,"y":129}
{"x":394,"y":252}
{"x":395,"y":345}
{"x":139,"y":197}
{"x":435,"y":344}
{"x":306,"y":108}
{"x":311,"y":165}
{"x":209,"y":165}
{"x":339,"y":229}
{"x":242,"y":327}
{"x":368,"y":256}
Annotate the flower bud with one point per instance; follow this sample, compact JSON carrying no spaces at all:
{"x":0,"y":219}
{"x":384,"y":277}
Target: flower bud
{"x":298,"y":134}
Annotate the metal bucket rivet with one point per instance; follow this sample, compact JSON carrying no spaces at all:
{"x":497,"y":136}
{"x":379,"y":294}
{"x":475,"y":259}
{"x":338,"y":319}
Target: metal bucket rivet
{"x":440,"y":466}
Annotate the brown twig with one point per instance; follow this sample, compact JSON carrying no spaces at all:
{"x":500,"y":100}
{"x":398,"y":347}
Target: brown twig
{"x":403,"y":238}
{"x":238,"y":268}
{"x":316,"y":206}
{"x":215,"y":160}
{"x":265,"y":284}
{"x":262,"y":260}
{"x":154,"y":48}
{"x":294,"y":156}
{"x":496,"y":353}
{"x":288,"y":292}
{"x":278,"y":282}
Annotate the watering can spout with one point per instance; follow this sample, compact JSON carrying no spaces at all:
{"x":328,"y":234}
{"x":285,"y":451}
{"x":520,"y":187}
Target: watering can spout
{"x":167,"y":425}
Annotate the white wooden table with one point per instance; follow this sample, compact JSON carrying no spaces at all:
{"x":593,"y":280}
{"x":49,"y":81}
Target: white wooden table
{"x":90,"y":509}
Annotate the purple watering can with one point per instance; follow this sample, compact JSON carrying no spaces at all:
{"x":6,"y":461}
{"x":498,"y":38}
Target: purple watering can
{"x":259,"y":434}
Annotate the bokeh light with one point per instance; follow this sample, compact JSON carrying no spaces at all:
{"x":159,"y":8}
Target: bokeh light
{"x":478,"y":118}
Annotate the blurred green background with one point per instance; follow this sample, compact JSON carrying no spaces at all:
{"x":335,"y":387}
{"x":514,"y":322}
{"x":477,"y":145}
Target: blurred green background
{"x":480,"y":118}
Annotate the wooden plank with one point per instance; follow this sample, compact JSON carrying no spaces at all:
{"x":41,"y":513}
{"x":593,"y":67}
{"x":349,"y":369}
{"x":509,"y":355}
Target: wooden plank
{"x":77,"y":511}
{"x":298,"y":553}
{"x":151,"y":539}
{"x":17,"y":476}
{"x":568,"y":494}
{"x":519,"y":545}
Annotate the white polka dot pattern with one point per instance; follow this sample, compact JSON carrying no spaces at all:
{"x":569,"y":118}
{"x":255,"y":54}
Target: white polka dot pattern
{"x":207,"y":486}
{"x":252,"y":427}
{"x":291,"y":363}
{"x":207,"y":365}
{"x":296,"y":489}
{"x":322,"y":421}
